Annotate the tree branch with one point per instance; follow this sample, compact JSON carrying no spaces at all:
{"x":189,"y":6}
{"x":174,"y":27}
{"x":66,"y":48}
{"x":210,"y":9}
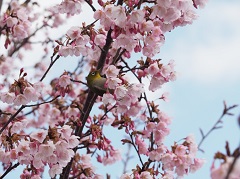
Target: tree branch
{"x":50,"y":66}
{"x":232,"y":165}
{"x":139,"y":156}
{"x":12,"y":118}
{"x":10,"y":168}
{"x":25,"y":41}
{"x":215,"y":126}
{"x":104,"y":53}
{"x":88,"y":2}
{"x":1,"y":2}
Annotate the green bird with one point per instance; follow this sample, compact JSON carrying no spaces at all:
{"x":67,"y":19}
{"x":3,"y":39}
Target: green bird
{"x":96,"y":82}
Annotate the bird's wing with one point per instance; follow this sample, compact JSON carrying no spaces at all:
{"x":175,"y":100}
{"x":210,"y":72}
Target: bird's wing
{"x":100,"y":89}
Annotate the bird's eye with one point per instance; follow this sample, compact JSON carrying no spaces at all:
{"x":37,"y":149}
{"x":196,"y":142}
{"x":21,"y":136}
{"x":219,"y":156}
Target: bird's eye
{"x":93,"y":73}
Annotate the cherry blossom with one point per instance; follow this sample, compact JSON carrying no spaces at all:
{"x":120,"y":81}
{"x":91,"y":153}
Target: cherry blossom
{"x":56,"y":123}
{"x":39,"y":135}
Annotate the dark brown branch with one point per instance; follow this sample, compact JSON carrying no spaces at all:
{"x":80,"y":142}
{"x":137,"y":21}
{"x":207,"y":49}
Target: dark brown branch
{"x":232,"y":165}
{"x":20,"y":109}
{"x":215,"y":126}
{"x":139,"y":156}
{"x":104,"y":53}
{"x":38,"y":104}
{"x":25,"y":41}
{"x":128,"y":157}
{"x":1,"y":2}
{"x":8,"y":170}
{"x":120,"y":2}
{"x":88,"y":2}
{"x":50,"y":66}
{"x":77,"y":81}
{"x":86,"y":110}
{"x":12,"y":118}
{"x":89,"y":102}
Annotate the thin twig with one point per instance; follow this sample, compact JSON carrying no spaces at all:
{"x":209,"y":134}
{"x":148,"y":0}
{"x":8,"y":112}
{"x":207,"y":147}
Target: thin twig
{"x":105,"y":114}
{"x":8,"y":170}
{"x":77,"y":81}
{"x":12,"y":118}
{"x":105,"y":50}
{"x":25,"y":41}
{"x":38,"y":104}
{"x":89,"y":101}
{"x":1,"y":2}
{"x":128,"y":157}
{"x":215,"y":126}
{"x":232,"y":166}
{"x":50,"y":66}
{"x":20,"y":109}
{"x":87,"y":108}
{"x":139,"y":156}
{"x":88,"y":2}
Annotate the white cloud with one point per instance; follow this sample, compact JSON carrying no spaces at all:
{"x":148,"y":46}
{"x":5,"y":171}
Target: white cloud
{"x":209,"y":50}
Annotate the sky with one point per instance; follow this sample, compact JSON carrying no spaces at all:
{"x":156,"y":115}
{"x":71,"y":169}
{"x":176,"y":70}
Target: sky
{"x":207,"y":58}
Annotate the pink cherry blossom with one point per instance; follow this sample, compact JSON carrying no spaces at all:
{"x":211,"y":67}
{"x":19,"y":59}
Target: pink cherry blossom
{"x":19,"y":125}
{"x":64,"y":81}
{"x":113,"y":157}
{"x":65,"y":131}
{"x":153,"y":68}
{"x":145,"y":175}
{"x":19,"y":31}
{"x":39,"y":135}
{"x":200,"y":3}
{"x":180,"y":150}
{"x":20,"y":100}
{"x":142,"y":147}
{"x":70,"y":7}
{"x":74,"y":32}
{"x":47,"y":149}
{"x":54,"y":170}
{"x":108,"y":99}
{"x":66,"y":50}
{"x":7,"y":97}
{"x":137,"y":16}
{"x":112,"y":83}
{"x":104,"y":19}
{"x":21,"y":14}
{"x":73,"y":141}
{"x":198,"y":163}
{"x":120,"y":91}
{"x":100,"y":40}
{"x":221,"y":171}
{"x":31,"y":94}
{"x":112,"y":71}
{"x":37,"y":162}
{"x":11,"y":21}
{"x":117,"y":14}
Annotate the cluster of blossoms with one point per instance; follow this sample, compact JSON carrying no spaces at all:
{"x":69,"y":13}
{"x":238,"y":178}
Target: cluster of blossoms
{"x":127,"y":95}
{"x":139,"y":30}
{"x":221,"y":172}
{"x":51,"y":147}
{"x":21,"y":92}
{"x":180,"y":160}
{"x":69,"y":7}
{"x":6,"y":65}
{"x":78,"y":46}
{"x":15,"y":22}
{"x":126,"y":28}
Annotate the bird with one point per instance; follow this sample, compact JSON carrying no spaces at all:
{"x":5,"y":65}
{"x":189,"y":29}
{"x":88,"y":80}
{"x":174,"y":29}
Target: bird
{"x":96,"y":82}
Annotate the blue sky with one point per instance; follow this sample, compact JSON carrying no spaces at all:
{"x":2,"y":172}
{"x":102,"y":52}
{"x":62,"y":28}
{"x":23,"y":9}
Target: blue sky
{"x":207,"y":59}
